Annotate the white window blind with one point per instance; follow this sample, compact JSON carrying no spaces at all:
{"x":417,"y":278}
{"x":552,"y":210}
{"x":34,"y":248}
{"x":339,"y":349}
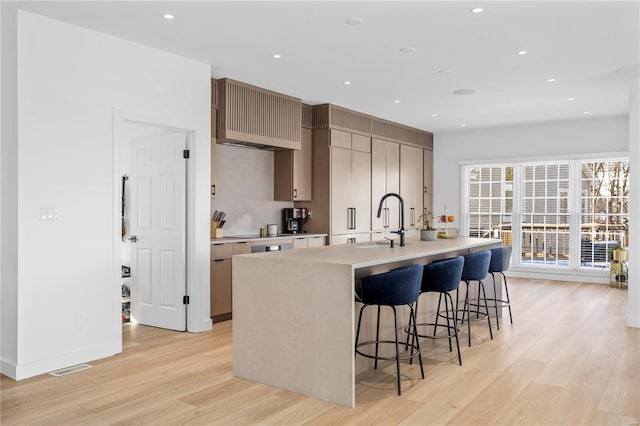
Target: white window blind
{"x":554,"y":213}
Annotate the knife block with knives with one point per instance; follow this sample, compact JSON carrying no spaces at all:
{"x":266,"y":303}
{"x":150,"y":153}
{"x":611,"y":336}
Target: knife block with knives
{"x":217,"y":222}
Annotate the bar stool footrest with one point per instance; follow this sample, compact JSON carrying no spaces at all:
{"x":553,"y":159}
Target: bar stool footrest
{"x":388,"y":358}
{"x":433,"y":324}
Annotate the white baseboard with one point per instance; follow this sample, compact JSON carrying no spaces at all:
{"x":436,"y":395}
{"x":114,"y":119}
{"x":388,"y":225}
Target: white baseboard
{"x":43,"y":366}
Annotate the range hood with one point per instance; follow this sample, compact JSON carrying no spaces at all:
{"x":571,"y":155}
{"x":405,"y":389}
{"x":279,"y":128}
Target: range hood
{"x":252,"y":117}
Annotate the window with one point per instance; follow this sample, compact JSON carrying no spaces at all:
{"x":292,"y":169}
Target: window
{"x":490,"y":201}
{"x":604,"y":201}
{"x":560,"y":214}
{"x":545,"y":221}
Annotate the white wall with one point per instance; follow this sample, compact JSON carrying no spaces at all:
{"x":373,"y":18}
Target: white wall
{"x":9,"y":190}
{"x":69,"y":81}
{"x":531,"y":141}
{"x":244,"y":190}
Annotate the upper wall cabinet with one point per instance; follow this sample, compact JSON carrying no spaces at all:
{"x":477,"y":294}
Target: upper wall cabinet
{"x":251,"y":116}
{"x":385,"y":178}
{"x":428,"y":180}
{"x":350,"y":182}
{"x":292,"y":171}
{"x":213,"y":153}
{"x":411,"y":188}
{"x":214,"y":113}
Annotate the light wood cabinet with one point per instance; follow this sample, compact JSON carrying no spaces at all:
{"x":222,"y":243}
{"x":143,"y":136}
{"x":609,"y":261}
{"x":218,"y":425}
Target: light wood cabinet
{"x":350,"y":238}
{"x":307,"y":242}
{"x":292,"y":171}
{"x":299,"y":242}
{"x":411,"y":188}
{"x":340,"y":137}
{"x":220,"y":278}
{"x":385,"y":178}
{"x":220,"y":289}
{"x":317,"y":241}
{"x":213,"y":153}
{"x":428,"y":180}
{"x":350,"y":185}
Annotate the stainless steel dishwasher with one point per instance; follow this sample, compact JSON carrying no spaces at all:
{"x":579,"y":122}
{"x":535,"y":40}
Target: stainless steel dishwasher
{"x":271,"y":247}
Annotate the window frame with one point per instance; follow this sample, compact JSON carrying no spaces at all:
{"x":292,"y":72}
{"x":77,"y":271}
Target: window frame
{"x":574,"y":266}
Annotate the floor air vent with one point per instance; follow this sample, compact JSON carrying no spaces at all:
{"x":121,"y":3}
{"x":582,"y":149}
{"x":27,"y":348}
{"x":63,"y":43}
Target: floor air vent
{"x":69,"y":370}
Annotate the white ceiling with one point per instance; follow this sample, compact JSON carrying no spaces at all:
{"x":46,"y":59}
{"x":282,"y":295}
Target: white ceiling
{"x":585,"y":45}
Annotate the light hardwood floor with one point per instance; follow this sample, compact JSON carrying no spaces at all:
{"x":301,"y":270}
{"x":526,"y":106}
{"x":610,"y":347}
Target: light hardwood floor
{"x":567,"y":359}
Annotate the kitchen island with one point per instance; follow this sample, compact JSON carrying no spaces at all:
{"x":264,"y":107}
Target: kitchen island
{"x":294,"y":322}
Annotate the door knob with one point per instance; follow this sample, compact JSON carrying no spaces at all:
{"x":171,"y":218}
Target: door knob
{"x":133,"y":239}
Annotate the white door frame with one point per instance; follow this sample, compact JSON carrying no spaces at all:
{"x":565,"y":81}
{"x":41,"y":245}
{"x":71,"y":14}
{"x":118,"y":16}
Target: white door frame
{"x":120,"y":118}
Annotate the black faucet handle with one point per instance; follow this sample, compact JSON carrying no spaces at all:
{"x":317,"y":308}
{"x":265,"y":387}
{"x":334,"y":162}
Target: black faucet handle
{"x":391,"y":240}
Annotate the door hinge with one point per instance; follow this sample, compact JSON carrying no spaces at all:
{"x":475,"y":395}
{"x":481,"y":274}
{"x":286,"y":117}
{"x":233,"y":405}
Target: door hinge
{"x":185,"y":153}
{"x":185,"y":300}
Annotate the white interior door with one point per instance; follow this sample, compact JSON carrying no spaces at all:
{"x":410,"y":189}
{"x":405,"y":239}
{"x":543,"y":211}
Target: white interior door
{"x":158,"y":230}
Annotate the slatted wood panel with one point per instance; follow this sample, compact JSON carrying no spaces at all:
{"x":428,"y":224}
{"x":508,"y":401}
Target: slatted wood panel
{"x":307,"y":116}
{"x":335,"y":117}
{"x":214,"y":94}
{"x":397,"y":132}
{"x":251,"y":114}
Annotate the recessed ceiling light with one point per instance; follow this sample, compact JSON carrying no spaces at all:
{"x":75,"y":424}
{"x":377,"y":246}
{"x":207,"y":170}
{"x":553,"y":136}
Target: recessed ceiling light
{"x":551,"y":80}
{"x":464,"y":92}
{"x":277,"y":56}
{"x":407,"y":49}
{"x":522,"y":52}
{"x":346,"y":83}
{"x":445,"y":71}
{"x":167,"y":16}
{"x":586,"y":112}
{"x":397,"y":101}
{"x":463,"y":125}
{"x":434,"y":115}
{"x":354,"y":21}
{"x":477,"y":10}
{"x":571,"y":99}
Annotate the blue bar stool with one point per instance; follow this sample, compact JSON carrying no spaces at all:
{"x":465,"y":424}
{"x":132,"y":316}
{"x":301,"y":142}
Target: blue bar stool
{"x":394,"y":288}
{"x":500,"y":262}
{"x":442,"y":277}
{"x":476,"y":268}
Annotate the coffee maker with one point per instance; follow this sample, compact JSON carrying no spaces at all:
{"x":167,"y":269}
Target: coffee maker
{"x":293,"y":219}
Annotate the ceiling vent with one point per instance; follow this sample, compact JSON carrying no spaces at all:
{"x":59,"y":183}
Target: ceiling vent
{"x":253,"y":117}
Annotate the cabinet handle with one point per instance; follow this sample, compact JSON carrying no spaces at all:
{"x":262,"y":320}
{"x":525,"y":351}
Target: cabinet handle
{"x":413,"y":216}
{"x":218,"y":260}
{"x":351,"y":218}
{"x":354,"y":219}
{"x":425,"y":189}
{"x":213,"y":190}
{"x":386,"y":218}
{"x":351,"y":240}
{"x":295,"y":193}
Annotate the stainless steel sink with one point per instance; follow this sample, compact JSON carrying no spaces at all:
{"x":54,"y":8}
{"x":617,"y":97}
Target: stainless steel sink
{"x":379,"y":244}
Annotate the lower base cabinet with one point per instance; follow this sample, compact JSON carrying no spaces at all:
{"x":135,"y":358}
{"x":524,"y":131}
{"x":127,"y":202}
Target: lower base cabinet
{"x":220,"y":289}
{"x":221,"y":302}
{"x":307,"y":242}
{"x":350,"y":238}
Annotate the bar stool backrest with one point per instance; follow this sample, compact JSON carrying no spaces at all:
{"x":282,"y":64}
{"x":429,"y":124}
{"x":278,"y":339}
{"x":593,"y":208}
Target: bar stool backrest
{"x":397,"y":287}
{"x":476,"y":266}
{"x":500,"y":259}
{"x":443,"y":275}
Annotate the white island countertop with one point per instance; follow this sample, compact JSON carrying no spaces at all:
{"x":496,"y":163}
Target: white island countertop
{"x":374,"y":253}
{"x":293,"y":311}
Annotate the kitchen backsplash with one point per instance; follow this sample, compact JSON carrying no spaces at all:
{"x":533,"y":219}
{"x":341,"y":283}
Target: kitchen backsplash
{"x":244,"y":190}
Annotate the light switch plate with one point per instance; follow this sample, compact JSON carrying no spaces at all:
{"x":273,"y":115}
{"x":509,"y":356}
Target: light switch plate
{"x":48,"y":213}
